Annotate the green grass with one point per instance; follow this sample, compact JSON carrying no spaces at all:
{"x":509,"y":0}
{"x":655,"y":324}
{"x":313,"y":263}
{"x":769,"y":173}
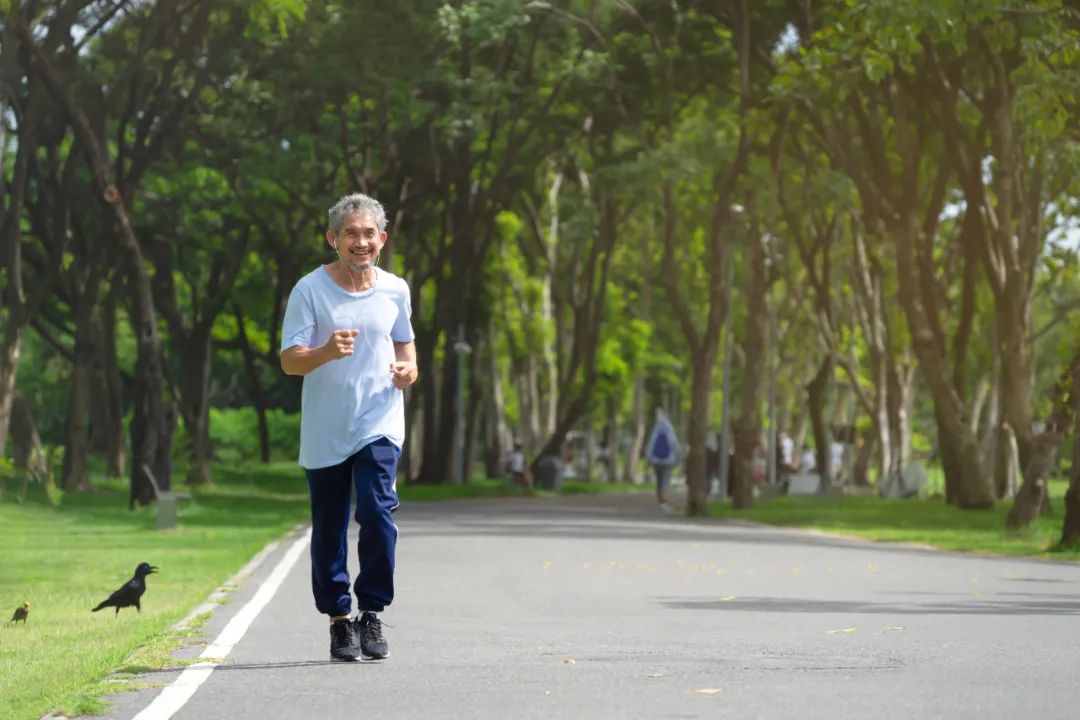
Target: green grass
{"x":65,"y":558}
{"x":928,"y":522}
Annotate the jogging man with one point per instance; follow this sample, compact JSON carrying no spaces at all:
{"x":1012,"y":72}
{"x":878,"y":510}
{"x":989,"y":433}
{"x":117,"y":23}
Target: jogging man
{"x":347,"y":330}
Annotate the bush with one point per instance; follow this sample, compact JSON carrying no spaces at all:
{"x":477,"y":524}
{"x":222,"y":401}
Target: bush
{"x":234,"y":433}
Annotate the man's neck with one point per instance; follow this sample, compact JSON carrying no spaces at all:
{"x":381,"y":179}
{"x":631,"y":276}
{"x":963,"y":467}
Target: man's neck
{"x":352,"y":280}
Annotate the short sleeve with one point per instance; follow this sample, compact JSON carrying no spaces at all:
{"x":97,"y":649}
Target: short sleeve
{"x":298,"y":327}
{"x":402,"y":331}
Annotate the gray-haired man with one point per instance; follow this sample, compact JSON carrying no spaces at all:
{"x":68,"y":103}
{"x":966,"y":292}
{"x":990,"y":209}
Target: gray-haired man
{"x":347,"y":330}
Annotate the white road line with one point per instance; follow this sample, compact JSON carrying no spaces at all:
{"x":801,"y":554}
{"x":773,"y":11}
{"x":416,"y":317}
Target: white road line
{"x":173,"y":697}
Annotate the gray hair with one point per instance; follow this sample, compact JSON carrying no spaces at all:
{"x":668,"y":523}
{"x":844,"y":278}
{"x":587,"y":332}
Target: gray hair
{"x":355,"y":203}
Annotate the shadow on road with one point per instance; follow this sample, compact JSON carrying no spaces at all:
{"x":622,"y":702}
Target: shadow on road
{"x":290,"y":664}
{"x":611,"y":517}
{"x":801,"y":605}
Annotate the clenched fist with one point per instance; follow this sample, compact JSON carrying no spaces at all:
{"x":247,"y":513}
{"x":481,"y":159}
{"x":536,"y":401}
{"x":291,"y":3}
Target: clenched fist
{"x":404,"y":373}
{"x":341,"y":343}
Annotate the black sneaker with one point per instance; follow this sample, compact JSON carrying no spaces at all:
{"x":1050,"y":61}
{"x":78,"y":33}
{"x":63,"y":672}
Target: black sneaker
{"x":372,"y":643}
{"x":344,"y":644}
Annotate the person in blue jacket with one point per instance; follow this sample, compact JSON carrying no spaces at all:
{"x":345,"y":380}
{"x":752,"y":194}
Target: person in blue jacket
{"x":662,"y":451}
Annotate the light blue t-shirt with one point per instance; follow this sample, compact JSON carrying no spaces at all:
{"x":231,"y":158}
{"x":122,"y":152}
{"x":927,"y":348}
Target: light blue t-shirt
{"x":349,"y":402}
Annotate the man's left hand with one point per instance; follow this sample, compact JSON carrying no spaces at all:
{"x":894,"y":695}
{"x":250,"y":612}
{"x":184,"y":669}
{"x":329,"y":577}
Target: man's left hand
{"x":404,"y":373}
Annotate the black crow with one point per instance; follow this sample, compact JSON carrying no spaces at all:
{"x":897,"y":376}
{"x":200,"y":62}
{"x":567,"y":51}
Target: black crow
{"x":131,"y":591}
{"x":21,"y":613}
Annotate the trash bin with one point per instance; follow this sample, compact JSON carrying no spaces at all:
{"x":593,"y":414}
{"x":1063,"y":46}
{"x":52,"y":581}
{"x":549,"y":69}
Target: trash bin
{"x":549,"y":473}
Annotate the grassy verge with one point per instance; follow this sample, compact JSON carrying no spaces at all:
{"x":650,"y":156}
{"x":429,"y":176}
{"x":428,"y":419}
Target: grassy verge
{"x":64,"y":559}
{"x":928,"y":522}
{"x":67,"y":557}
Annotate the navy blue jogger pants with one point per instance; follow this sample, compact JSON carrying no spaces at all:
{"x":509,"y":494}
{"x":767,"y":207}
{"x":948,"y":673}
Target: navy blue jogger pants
{"x":371,"y":473}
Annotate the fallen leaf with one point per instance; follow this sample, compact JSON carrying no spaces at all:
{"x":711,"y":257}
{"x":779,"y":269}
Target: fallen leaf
{"x":842,"y":630}
{"x":727,"y":598}
{"x":656,"y":675}
{"x":547,"y":692}
{"x":547,"y":564}
{"x":570,"y":661}
{"x":707,"y":691}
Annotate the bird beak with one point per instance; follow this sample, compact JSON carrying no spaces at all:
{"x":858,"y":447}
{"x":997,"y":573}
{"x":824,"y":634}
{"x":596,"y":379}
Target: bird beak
{"x":153,"y":568}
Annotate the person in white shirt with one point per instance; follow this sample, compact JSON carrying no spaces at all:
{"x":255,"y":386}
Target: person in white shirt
{"x":515,"y":465}
{"x":347,"y":330}
{"x":787,"y":451}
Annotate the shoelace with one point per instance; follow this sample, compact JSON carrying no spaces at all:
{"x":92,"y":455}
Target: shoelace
{"x":372,"y":629}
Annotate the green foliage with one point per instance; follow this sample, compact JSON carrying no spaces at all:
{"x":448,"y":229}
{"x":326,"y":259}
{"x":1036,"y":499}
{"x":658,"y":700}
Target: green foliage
{"x":235,"y":435}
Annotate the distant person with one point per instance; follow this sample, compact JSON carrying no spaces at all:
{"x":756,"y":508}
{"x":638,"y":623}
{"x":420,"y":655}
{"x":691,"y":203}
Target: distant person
{"x":516,"y":466}
{"x":347,"y":330}
{"x":712,"y":457}
{"x":662,"y":452}
{"x":808,"y":461}
{"x":787,"y":452}
{"x":836,"y":458}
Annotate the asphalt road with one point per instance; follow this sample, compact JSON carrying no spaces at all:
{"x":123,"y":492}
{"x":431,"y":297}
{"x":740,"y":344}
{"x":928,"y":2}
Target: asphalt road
{"x":604,"y":608}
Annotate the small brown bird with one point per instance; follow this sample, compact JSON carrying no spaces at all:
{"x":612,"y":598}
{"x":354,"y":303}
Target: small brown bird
{"x":21,"y":613}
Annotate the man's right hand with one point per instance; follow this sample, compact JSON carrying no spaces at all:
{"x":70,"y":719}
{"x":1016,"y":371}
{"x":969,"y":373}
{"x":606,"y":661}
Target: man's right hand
{"x":341,"y":343}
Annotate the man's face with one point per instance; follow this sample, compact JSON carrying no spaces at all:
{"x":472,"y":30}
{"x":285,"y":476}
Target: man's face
{"x":359,"y":241}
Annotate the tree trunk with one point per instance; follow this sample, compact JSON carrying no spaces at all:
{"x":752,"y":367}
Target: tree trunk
{"x":991,"y":427}
{"x":472,"y":414}
{"x":255,"y":386}
{"x":499,"y":436}
{"x":637,"y":442}
{"x":611,"y":443}
{"x":1006,"y":463}
{"x":1070,"y":528}
{"x":863,"y":458}
{"x":28,"y":452}
{"x":697,"y":480}
{"x":747,"y":430}
{"x":9,"y":369}
{"x":429,"y":392}
{"x":816,"y":392}
{"x":195,"y":402}
{"x":965,"y":477}
{"x":552,"y":391}
{"x":77,"y":447}
{"x":632,"y":463}
{"x":112,"y":409}
{"x":950,"y":459}
{"x":1032,"y":497}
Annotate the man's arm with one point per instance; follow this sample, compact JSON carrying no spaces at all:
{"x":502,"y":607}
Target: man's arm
{"x":299,"y":360}
{"x":404,"y":369}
